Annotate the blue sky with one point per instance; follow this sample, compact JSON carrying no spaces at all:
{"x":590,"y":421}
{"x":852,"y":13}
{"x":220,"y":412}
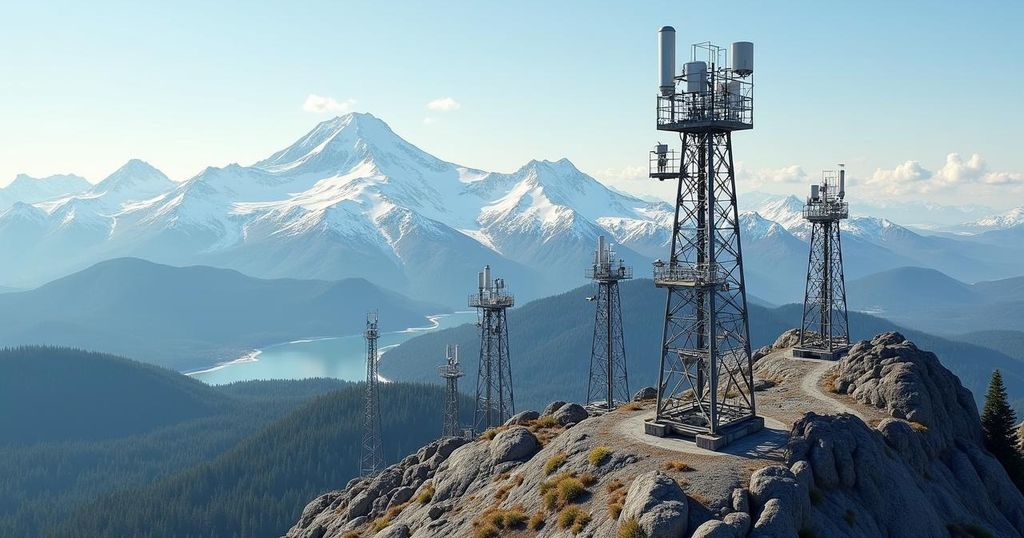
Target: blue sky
{"x":891,"y":88}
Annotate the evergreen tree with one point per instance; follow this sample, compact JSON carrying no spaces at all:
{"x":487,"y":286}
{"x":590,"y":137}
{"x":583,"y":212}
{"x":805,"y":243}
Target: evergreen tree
{"x":998,"y":423}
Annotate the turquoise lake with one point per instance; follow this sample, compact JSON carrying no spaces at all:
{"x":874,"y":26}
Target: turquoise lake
{"x":342,"y":357}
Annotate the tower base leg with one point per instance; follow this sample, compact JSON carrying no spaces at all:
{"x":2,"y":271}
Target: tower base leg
{"x":707,"y":441}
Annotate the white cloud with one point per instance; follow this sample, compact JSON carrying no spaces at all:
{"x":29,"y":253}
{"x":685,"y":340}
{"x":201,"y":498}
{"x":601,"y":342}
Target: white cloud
{"x":320,"y":104}
{"x":444,"y":104}
{"x":787,"y":175}
{"x":913,"y":178}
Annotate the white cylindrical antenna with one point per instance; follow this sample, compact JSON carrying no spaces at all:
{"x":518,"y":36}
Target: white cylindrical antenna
{"x":814,"y":192}
{"x":743,"y":58}
{"x":600,"y":250}
{"x":696,"y":74}
{"x":487,"y":276}
{"x":667,"y":60}
{"x":480,"y":279}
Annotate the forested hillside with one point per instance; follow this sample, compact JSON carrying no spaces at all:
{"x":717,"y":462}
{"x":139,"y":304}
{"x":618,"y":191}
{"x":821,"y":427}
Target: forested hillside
{"x":550,"y":343}
{"x":77,"y":425}
{"x":259,"y":487}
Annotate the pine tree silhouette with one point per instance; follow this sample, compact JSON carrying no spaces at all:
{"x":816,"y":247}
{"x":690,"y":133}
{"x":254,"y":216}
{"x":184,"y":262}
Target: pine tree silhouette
{"x":998,"y":423}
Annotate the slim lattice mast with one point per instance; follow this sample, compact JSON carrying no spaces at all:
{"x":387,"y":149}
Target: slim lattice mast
{"x":451,"y":373}
{"x":705,"y":386}
{"x":824,"y":330}
{"x":372,"y":459}
{"x":608,"y":382}
{"x":494,"y":402}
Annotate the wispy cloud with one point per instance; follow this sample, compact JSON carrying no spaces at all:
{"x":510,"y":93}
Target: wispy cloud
{"x":787,"y":175}
{"x":444,"y":104}
{"x":320,"y":104}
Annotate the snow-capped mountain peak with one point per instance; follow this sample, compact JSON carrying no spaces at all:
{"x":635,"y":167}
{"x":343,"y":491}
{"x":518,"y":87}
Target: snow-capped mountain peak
{"x":339,"y":144}
{"x":1008,"y":219}
{"x":135,"y":180}
{"x":28,"y":189}
{"x":753,"y":226}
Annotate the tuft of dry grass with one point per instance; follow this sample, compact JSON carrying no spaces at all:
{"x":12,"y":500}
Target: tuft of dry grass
{"x":632,"y":406}
{"x":918,"y":427}
{"x":616,"y":498}
{"x":393,"y":512}
{"x":502,"y":493}
{"x":426,"y":494}
{"x":631,"y":529}
{"x":495,"y":520}
{"x":554,"y":462}
{"x":678,"y":466}
{"x":598,"y":455}
{"x":563,"y":489}
{"x":379,"y":524}
{"x":546,"y":421}
{"x":536,"y":522}
{"x":828,"y":381}
{"x":490,"y":433}
{"x":573,"y":518}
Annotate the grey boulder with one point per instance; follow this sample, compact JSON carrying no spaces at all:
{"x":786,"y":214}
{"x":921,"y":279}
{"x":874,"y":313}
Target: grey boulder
{"x":658,"y":504}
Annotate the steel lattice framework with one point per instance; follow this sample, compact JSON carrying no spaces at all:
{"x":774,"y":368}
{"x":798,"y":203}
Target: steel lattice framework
{"x":451,"y":372}
{"x":372,"y":456}
{"x":494,"y":396}
{"x":608,"y":382}
{"x":705,"y":386}
{"x":824,"y":330}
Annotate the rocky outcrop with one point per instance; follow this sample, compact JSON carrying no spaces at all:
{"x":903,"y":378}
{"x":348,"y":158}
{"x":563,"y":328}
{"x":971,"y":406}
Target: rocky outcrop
{"x":646,"y":393}
{"x":891,"y":373}
{"x":363,"y":500}
{"x":658,"y":504}
{"x":570,"y":414}
{"x":918,"y":469}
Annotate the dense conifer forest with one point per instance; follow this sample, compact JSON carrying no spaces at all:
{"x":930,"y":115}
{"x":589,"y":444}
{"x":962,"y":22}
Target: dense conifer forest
{"x":99,"y":445}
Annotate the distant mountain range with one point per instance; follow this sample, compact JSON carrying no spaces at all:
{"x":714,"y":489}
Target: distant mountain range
{"x":550,"y":342}
{"x":352,"y":198}
{"x":191,"y":317}
{"x":933,"y":301}
{"x":349,"y":199}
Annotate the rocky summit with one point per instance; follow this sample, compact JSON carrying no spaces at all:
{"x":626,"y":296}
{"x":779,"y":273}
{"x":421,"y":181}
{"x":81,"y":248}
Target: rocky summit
{"x":884,"y":442}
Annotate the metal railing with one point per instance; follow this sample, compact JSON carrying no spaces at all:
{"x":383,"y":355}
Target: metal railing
{"x":689,"y":275}
{"x":706,"y":107}
{"x":609,"y":271}
{"x":823,"y":210}
{"x":491,"y":299}
{"x":664,"y":165}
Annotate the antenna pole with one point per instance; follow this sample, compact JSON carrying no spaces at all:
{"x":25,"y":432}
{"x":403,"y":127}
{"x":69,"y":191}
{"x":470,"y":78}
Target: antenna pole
{"x":372,"y":458}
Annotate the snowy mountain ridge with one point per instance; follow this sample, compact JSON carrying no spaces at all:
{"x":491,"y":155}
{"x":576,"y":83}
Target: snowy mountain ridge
{"x":357,"y":200}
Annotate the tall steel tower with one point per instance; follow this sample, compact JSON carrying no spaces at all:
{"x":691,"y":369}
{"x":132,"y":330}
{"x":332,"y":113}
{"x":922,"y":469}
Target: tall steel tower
{"x":451,"y":372}
{"x":608,"y":381}
{"x":824,"y":331}
{"x":372,"y":459}
{"x":705,"y":387}
{"x":494,"y":402}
